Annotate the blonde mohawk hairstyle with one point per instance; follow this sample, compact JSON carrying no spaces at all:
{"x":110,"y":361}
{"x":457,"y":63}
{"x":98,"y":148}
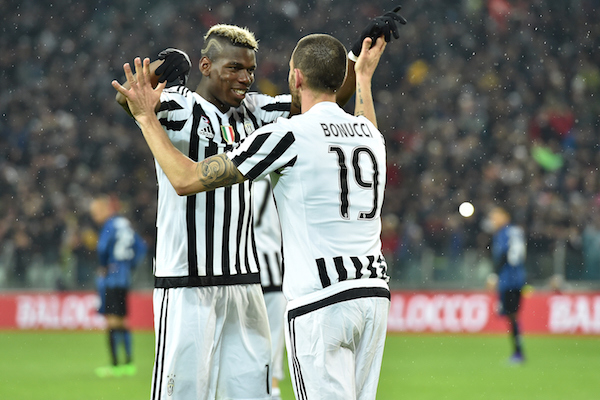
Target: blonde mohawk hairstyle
{"x":236,"y":35}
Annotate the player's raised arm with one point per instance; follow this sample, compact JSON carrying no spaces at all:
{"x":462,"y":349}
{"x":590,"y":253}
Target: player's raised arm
{"x":384,"y":25}
{"x":171,"y":66}
{"x":186,"y":176}
{"x":364,"y":69}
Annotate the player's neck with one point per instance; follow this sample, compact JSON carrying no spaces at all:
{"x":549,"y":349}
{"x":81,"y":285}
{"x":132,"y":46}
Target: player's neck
{"x":309,"y":98}
{"x":206,"y":95}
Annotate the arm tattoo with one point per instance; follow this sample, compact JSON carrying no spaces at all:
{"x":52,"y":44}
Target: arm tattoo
{"x":217,"y":171}
{"x":359,"y":98}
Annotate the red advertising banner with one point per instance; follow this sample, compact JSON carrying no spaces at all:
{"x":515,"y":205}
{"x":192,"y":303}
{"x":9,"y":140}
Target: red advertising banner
{"x":67,"y":310}
{"x":467,"y":312}
{"x":443,"y":312}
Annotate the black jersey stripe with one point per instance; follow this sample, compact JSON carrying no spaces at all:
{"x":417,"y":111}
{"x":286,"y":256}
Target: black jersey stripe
{"x":263,"y":203}
{"x":172,"y":125}
{"x":350,"y":294}
{"x":213,"y":280}
{"x":375,"y":265}
{"x":258,"y":141}
{"x":371,"y":268}
{"x":251,"y":117}
{"x":227,"y":207}
{"x":250,"y":236}
{"x":169,"y":106}
{"x":325,"y":281}
{"x":358,"y":266}
{"x":209,"y":204}
{"x":194,"y":149}
{"x":283,"y":106}
{"x":233,"y":122}
{"x":339,"y":267}
{"x":267,"y":266}
{"x":240,"y":226}
{"x":286,"y":141}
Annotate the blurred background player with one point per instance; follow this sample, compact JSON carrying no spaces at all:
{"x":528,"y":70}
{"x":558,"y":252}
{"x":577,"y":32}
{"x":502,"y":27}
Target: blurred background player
{"x":120,"y":249}
{"x":267,"y":234}
{"x":508,"y":254}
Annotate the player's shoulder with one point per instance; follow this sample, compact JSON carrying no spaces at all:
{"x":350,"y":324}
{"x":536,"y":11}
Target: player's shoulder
{"x":176,"y":98}
{"x":258,"y":102}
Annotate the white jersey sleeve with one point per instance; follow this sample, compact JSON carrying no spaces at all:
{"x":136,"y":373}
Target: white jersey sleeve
{"x":328,"y":170}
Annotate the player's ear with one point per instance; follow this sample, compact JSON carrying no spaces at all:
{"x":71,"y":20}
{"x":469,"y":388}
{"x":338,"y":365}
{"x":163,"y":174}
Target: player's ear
{"x":298,"y":78}
{"x":205,"y":65}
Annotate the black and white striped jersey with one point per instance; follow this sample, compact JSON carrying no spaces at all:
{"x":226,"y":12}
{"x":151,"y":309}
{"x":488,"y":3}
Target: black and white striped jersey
{"x":328,"y":171}
{"x":206,"y":239}
{"x":268,"y":236}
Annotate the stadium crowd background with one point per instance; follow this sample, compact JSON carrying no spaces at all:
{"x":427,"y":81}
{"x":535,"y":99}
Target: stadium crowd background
{"x":492,"y":102}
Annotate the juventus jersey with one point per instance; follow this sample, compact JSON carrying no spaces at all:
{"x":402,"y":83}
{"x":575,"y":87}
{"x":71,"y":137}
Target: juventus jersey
{"x":328,"y":170}
{"x":206,"y":239}
{"x":268,"y":236}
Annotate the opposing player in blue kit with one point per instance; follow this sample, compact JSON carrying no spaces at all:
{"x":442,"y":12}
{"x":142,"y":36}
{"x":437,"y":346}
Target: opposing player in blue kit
{"x":508,"y":254}
{"x":120,"y":250}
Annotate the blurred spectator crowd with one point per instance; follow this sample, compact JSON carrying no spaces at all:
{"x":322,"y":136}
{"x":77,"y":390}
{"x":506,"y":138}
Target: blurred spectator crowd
{"x":493,"y":102}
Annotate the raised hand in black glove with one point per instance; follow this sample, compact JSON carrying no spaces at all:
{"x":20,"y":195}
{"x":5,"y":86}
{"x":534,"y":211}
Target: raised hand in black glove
{"x":176,"y":67}
{"x":383,"y":25}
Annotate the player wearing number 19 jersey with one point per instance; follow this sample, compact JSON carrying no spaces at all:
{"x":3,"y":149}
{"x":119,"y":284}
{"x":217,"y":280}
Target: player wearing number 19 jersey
{"x":328,"y":173}
{"x":328,"y":181}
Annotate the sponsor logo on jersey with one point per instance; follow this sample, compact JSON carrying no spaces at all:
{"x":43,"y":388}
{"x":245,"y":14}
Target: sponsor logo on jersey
{"x":205,"y":129}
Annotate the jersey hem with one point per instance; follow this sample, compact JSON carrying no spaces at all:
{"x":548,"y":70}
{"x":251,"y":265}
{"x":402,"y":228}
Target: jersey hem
{"x":337,"y":293}
{"x":167,"y":282}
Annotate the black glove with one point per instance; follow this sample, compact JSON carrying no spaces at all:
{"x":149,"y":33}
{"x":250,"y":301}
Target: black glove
{"x":176,"y":67}
{"x":383,"y":25}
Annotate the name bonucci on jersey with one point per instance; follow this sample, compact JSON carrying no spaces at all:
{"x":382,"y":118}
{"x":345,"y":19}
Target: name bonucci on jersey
{"x":322,"y":155}
{"x":207,"y":239}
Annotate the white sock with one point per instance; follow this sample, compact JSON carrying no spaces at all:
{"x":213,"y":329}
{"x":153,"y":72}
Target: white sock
{"x":275,"y":392}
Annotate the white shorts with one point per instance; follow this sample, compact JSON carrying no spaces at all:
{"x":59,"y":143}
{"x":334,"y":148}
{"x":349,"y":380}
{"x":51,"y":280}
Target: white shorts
{"x":335,"y":341}
{"x":211,"y":343}
{"x":276,"y":303}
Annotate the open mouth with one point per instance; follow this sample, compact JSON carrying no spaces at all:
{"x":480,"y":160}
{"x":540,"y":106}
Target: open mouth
{"x":240,"y":92}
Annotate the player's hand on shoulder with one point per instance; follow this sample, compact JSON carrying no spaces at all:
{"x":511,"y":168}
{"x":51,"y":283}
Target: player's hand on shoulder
{"x":384,"y":25}
{"x":175,"y":68}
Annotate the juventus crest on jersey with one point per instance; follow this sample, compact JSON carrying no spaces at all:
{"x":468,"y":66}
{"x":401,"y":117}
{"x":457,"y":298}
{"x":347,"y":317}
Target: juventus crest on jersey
{"x":328,"y":170}
{"x":206,"y":239}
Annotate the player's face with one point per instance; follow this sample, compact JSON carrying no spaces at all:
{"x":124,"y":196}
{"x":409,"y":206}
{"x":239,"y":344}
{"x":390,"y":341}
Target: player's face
{"x":497,"y":219}
{"x":231,"y":75}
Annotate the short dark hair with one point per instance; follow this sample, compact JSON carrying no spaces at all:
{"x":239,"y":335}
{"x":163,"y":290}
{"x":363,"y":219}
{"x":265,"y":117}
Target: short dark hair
{"x":322,"y":60}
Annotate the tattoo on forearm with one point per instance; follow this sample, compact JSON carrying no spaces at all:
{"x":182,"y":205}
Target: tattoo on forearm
{"x":359,"y":98}
{"x":217,"y":171}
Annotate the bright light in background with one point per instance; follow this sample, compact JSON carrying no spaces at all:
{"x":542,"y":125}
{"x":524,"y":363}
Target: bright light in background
{"x":466,"y":209}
